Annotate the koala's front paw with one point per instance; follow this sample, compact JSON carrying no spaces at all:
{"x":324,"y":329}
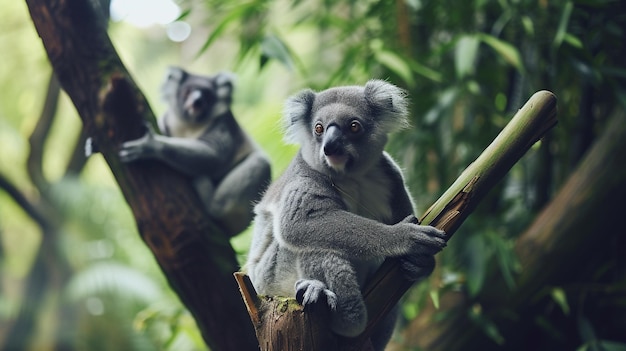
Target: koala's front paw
{"x":427,"y":240}
{"x":309,"y":291}
{"x":420,"y":262}
{"x":137,"y":149}
{"x":417,"y":267}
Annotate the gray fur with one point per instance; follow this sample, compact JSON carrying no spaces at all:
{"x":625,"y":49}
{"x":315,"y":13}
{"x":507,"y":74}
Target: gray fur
{"x":341,"y":207}
{"x":202,"y":139}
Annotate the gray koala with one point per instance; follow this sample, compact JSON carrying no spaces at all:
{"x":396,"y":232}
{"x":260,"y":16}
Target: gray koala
{"x":341,"y":207}
{"x":202,"y":140}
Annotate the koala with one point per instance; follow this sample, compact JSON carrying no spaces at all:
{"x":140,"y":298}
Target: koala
{"x":202,"y":140}
{"x":340,"y":208}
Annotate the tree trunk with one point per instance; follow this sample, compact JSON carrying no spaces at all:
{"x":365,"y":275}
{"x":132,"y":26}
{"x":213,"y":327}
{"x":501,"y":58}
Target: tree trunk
{"x":195,"y":256}
{"x":583,"y":222}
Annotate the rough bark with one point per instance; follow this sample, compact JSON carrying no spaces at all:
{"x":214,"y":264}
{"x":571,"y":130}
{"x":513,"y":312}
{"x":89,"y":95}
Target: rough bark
{"x":583,"y":224}
{"x":194,"y":254}
{"x":281,"y":324}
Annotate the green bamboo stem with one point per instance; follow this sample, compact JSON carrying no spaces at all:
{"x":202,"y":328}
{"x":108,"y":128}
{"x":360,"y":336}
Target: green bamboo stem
{"x":528,"y":125}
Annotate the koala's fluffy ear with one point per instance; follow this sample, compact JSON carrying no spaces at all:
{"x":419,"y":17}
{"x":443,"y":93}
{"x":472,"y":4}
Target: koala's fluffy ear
{"x":389,"y":101}
{"x":224,"y":82}
{"x":174,"y":73}
{"x":297,"y":116}
{"x":225,"y":78}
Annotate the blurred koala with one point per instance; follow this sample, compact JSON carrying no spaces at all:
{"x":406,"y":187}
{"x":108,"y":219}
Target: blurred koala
{"x":202,"y":139}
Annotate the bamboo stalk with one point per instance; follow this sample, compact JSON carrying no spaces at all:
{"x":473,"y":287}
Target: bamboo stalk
{"x":528,"y":125}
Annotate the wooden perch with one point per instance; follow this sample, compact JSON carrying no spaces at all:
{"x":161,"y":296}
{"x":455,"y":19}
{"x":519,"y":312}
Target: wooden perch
{"x":388,"y":285}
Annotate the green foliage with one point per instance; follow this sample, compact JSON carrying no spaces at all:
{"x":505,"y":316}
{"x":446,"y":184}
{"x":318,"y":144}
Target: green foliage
{"x":466,"y":66}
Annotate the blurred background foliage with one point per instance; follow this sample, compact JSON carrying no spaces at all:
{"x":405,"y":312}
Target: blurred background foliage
{"x":74,"y":273}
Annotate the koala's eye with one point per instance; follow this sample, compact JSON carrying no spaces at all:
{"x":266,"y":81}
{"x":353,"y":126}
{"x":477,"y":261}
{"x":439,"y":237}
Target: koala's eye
{"x":319,"y":129}
{"x":355,"y":127}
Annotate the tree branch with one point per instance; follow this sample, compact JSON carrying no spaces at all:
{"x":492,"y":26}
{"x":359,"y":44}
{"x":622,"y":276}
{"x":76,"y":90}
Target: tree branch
{"x":39,"y":135}
{"x":195,"y":256}
{"x":580,"y":229}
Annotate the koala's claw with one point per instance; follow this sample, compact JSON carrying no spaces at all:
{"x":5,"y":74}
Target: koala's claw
{"x":309,"y":291}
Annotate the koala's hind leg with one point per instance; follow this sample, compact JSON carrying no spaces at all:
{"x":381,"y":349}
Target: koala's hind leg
{"x":337,"y":274}
{"x":236,"y":195}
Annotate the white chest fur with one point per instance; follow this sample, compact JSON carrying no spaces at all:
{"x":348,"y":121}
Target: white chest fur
{"x":367,"y":195}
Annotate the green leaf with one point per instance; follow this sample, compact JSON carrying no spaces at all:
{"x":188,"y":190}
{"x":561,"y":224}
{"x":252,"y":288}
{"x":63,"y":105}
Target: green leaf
{"x":586,"y":330}
{"x":465,"y":55}
{"x":558,"y":295}
{"x":434,"y":296}
{"x":506,"y":258}
{"x":573,"y":41}
{"x":563,"y":22}
{"x":272,"y":47}
{"x":235,"y":15}
{"x":444,"y":102}
{"x":477,"y":265}
{"x":486,"y":325}
{"x":396,"y":64}
{"x":529,"y":27}
{"x":425,"y":71}
{"x":508,"y":52}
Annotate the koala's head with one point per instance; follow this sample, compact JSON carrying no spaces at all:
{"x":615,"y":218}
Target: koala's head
{"x":343,"y":130}
{"x":197,"y":99}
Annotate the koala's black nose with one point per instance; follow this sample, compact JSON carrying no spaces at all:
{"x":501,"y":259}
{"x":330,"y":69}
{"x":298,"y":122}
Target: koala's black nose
{"x":332,"y":141}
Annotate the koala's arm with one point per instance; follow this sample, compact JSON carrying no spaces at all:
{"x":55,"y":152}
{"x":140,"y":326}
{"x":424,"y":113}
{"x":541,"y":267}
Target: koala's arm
{"x":313,"y":220}
{"x":193,"y":157}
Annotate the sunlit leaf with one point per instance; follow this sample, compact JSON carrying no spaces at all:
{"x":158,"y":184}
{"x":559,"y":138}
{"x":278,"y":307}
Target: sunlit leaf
{"x":434,"y":296}
{"x":465,"y":55}
{"x":558,"y":295}
{"x":397,"y":65}
{"x":508,"y":52}
{"x":410,"y":310}
{"x":184,"y":14}
{"x":529,"y":27}
{"x":573,"y":41}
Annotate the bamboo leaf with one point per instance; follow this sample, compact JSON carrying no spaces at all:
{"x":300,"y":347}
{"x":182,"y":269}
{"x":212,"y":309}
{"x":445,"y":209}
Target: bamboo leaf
{"x":563,"y":22}
{"x":508,"y":52}
{"x":272,"y":47}
{"x":465,"y":55}
{"x":424,"y":71}
{"x":477,"y":264}
{"x":396,"y":64}
{"x":558,"y":295}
